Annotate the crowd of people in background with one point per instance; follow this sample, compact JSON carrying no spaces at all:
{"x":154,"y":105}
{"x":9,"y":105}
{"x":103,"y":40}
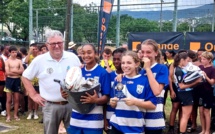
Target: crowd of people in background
{"x":148,"y":75}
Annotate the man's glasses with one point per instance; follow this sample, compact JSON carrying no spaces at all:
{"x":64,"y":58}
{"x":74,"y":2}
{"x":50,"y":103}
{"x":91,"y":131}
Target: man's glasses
{"x":53,"y":44}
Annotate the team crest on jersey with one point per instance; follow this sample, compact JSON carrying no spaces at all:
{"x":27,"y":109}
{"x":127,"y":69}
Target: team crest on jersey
{"x":96,"y":79}
{"x":50,"y":70}
{"x":139,"y":89}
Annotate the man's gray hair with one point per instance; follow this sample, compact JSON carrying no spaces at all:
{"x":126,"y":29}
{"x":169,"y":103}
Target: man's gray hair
{"x":51,"y":33}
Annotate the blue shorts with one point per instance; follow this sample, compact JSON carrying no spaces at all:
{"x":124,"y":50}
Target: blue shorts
{"x":75,"y":130}
{"x":13,"y":84}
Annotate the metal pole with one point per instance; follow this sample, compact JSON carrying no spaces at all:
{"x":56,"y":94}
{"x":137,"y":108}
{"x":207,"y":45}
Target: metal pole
{"x":37,"y":25}
{"x":118,"y":24}
{"x":98,"y":26}
{"x":71,"y":25}
{"x":213,"y":18}
{"x":175,"y":14}
{"x":2,"y":21}
{"x":161,"y":19}
{"x":30,"y":21}
{"x":68,"y":19}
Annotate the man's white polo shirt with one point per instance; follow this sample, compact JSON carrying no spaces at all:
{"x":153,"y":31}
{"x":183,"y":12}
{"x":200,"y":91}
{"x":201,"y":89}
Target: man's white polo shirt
{"x":46,"y":69}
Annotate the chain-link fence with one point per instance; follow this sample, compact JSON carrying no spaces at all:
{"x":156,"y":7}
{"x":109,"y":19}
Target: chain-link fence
{"x":136,"y":16}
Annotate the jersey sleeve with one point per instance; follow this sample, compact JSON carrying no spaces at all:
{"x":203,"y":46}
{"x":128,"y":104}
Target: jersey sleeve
{"x":150,"y":96}
{"x":162,"y":76}
{"x":179,"y":75}
{"x":105,"y":82}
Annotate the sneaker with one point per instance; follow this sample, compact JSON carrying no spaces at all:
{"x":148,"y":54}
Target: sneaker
{"x":3,"y":113}
{"x":36,"y":116}
{"x":30,"y":116}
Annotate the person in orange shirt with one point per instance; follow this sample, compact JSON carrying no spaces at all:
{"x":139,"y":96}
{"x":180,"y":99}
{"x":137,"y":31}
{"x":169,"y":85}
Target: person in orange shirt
{"x":2,"y":84}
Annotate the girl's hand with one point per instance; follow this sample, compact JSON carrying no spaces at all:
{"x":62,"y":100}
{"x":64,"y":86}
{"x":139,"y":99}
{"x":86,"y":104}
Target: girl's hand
{"x":89,"y":98}
{"x":63,"y":93}
{"x":129,"y":101}
{"x":106,"y":125}
{"x":172,"y":95}
{"x":119,"y":77}
{"x":113,"y":102}
{"x":147,"y":63}
{"x":204,"y":74}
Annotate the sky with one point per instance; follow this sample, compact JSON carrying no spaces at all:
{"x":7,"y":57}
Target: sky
{"x":148,"y":4}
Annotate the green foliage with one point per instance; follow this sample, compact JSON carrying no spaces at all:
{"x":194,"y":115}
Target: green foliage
{"x":183,"y":27}
{"x":203,"y":28}
{"x":52,"y":14}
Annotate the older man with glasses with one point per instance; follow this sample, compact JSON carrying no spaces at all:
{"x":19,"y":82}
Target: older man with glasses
{"x":47,"y":67}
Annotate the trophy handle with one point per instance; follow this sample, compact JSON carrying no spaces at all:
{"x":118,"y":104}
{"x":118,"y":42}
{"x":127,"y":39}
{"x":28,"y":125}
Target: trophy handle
{"x":61,"y":84}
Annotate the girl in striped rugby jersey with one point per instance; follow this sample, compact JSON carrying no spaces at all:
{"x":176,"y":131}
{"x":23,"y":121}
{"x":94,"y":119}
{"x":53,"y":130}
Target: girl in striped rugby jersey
{"x":137,"y":96}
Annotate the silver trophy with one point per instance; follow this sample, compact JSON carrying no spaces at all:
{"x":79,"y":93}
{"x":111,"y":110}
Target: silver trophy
{"x":74,"y":97}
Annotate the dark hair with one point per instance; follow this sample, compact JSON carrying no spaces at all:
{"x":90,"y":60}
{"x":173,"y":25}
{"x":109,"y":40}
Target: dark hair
{"x":201,"y":49}
{"x":42,"y":46}
{"x":5,"y":47}
{"x":119,"y":50}
{"x":12,"y":48}
{"x":180,"y":55}
{"x":138,"y":47}
{"x":164,"y":55}
{"x":2,"y":48}
{"x":171,"y":52}
{"x":192,"y":55}
{"x":23,"y":50}
{"x":94,"y":48}
{"x":19,"y":56}
{"x":107,"y":51}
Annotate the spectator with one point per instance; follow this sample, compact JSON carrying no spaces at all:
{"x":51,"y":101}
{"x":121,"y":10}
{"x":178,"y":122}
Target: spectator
{"x":43,"y":49}
{"x":5,"y":53}
{"x":71,"y":46}
{"x":14,"y":69}
{"x":106,"y":62}
{"x":206,"y":92}
{"x":2,"y":84}
{"x":33,"y":106}
{"x":170,"y":56}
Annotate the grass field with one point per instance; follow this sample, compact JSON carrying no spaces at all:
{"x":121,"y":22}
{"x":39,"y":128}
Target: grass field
{"x":25,"y":126}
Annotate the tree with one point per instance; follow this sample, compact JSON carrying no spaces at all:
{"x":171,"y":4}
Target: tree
{"x":183,"y":27}
{"x":203,"y":28}
{"x":167,"y":26}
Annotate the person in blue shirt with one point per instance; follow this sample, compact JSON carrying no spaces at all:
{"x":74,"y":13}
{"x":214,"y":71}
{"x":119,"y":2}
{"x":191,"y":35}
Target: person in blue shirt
{"x":136,"y":96}
{"x":185,"y":95}
{"x":91,"y":123}
{"x":158,"y":78}
{"x":117,"y":53}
